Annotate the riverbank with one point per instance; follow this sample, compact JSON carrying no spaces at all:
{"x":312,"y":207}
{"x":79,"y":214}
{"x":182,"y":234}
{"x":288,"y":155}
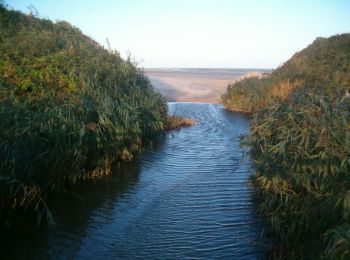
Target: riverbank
{"x":70,"y":109}
{"x":301,"y":148}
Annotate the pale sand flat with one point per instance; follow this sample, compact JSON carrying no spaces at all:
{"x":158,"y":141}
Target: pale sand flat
{"x":193,"y":85}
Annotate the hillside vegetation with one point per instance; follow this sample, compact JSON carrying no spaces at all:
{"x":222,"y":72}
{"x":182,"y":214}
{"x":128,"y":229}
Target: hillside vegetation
{"x":69,"y":109}
{"x":323,"y":65}
{"x":301,"y":148}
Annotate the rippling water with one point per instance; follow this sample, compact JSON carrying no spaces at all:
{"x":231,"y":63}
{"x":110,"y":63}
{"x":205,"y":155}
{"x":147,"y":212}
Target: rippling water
{"x":184,"y":197}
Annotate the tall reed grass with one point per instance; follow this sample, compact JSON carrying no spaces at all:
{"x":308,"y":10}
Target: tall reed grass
{"x":69,"y":110}
{"x":301,"y":148}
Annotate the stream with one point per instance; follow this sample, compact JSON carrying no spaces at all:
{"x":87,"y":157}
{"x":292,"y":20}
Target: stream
{"x":186,"y":196}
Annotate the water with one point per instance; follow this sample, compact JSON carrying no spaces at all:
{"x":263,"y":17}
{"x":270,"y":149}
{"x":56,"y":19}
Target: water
{"x":185,"y":197}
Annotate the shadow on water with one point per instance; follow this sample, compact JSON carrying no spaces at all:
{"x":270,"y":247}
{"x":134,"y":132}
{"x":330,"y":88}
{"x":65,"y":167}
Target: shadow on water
{"x":72,"y":212}
{"x":185,"y":196}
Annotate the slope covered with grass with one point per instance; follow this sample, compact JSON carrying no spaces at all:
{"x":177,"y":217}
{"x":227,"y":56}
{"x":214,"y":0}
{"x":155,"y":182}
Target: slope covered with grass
{"x":69,"y":110}
{"x":324,"y":65}
{"x":301,"y":148}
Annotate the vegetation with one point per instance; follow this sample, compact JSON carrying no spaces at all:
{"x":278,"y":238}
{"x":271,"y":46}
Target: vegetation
{"x":69,"y":109}
{"x":324,"y":64}
{"x":174,"y":122}
{"x":301,"y":147}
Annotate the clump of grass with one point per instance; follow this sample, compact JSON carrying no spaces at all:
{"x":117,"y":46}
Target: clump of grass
{"x":174,"y":122}
{"x":301,"y":148}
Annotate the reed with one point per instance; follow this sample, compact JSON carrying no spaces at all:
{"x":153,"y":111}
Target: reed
{"x":301,"y":158}
{"x":301,"y":148}
{"x":69,"y":110}
{"x":174,"y":122}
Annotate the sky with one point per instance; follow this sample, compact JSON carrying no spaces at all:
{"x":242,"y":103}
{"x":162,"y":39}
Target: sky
{"x":200,"y":33}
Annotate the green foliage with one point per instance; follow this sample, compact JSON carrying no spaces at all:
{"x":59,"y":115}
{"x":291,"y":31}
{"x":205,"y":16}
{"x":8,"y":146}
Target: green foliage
{"x":301,"y":148}
{"x":69,"y":109}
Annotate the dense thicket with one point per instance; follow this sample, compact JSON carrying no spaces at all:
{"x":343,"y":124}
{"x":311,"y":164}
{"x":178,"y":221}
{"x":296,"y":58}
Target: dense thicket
{"x":301,"y":147}
{"x":69,"y":109}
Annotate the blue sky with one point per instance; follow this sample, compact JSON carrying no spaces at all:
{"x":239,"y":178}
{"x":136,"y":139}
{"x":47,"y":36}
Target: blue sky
{"x":201,"y":33}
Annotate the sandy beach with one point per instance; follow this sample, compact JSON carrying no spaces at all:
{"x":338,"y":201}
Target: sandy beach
{"x":194,"y":85}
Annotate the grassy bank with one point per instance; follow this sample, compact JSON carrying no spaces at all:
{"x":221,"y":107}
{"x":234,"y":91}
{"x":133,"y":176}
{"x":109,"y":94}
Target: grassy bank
{"x":69,"y":110}
{"x":301,"y":148}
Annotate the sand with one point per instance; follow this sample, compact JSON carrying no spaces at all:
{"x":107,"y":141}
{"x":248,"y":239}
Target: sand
{"x":193,"y":85}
